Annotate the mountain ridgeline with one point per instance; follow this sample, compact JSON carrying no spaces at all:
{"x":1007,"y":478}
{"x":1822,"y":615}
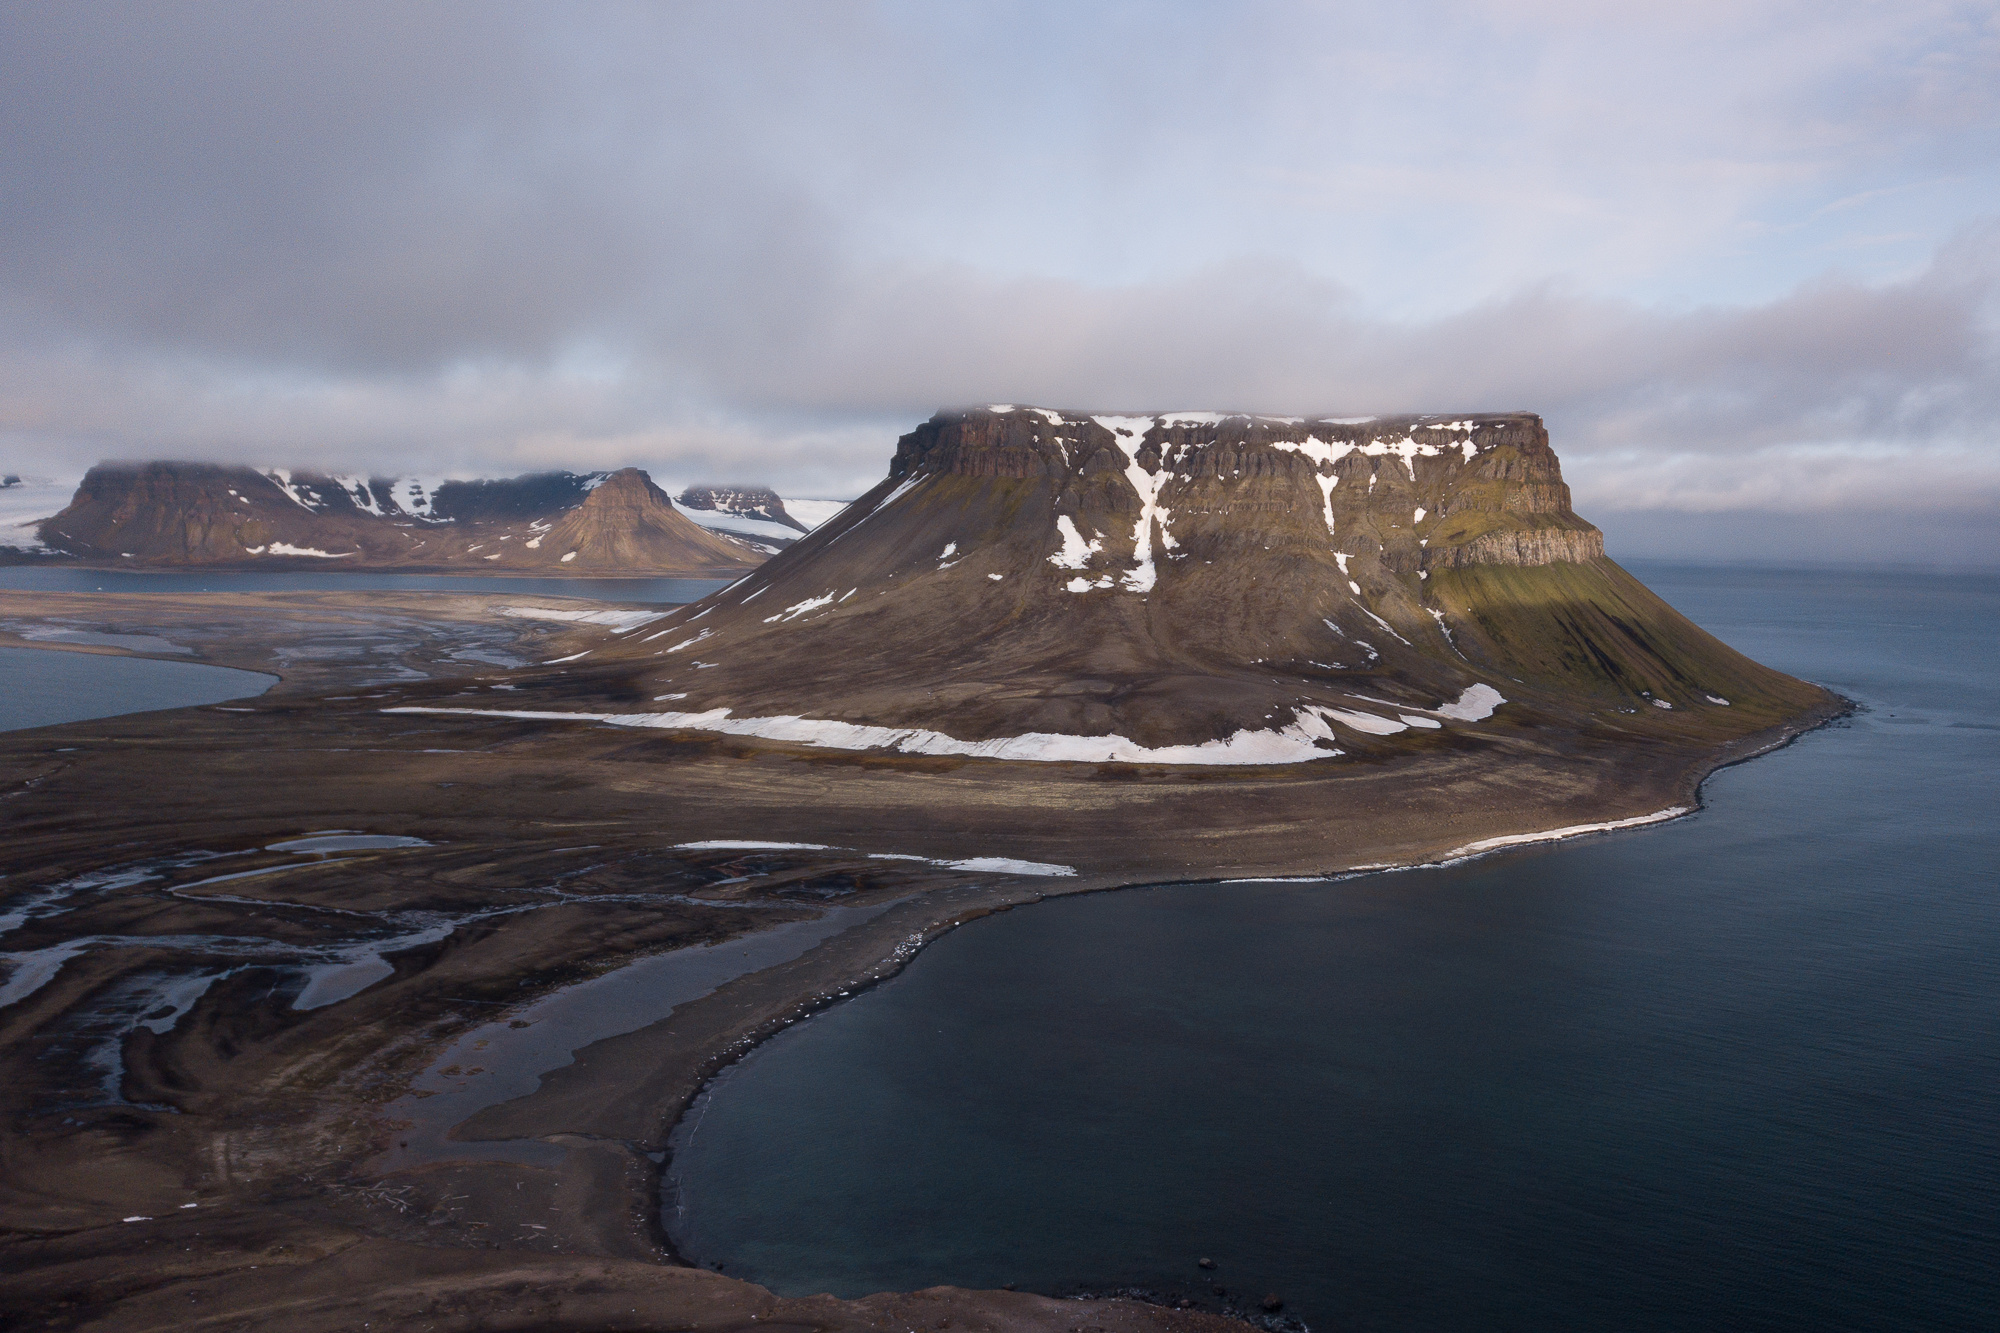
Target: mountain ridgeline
{"x":202,"y":514}
{"x":1206,"y":588}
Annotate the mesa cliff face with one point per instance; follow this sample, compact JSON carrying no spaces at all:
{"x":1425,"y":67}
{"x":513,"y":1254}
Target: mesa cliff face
{"x":1489,"y":488}
{"x":174,"y":515}
{"x":1199,"y":584}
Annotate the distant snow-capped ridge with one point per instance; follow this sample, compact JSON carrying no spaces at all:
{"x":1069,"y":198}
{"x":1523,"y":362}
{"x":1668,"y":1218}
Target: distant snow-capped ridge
{"x":239,"y":512}
{"x":755,"y":511}
{"x":428,"y":498}
{"x":747,"y":511}
{"x":382,"y":497}
{"x":191,"y":513}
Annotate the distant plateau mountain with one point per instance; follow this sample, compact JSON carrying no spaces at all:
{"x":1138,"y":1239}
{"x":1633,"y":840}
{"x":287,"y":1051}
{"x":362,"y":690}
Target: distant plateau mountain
{"x":177,"y":514}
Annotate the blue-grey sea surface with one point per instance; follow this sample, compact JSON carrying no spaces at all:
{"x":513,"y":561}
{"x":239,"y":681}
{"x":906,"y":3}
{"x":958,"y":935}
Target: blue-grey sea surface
{"x":42,"y":687}
{"x":1740,"y":1071}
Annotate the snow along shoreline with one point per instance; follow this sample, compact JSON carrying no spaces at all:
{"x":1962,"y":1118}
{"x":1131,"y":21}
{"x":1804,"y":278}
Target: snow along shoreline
{"x":1485,"y":845}
{"x":1472,"y":851}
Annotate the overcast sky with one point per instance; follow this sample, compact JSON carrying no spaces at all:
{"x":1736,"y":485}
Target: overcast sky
{"x":1744,"y":256}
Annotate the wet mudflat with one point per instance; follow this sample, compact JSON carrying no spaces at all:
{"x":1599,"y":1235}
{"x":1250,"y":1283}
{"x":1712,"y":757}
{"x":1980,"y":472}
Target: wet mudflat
{"x":1737,"y":1070}
{"x":505,"y":1059}
{"x":220,"y":1044}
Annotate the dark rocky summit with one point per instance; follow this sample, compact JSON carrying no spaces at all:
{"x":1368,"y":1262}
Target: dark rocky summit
{"x":180,"y":514}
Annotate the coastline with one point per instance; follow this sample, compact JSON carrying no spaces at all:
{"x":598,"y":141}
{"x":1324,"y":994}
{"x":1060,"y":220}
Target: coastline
{"x":291,"y":1172}
{"x":810,"y":996}
{"x":1750,"y":748}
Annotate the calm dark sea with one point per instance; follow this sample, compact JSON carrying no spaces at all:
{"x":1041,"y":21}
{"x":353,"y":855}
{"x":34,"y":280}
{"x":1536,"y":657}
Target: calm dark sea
{"x":1740,"y":1071}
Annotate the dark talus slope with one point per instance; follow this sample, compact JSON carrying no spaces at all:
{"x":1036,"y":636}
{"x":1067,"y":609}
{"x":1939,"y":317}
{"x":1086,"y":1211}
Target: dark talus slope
{"x":181,"y":514}
{"x":1270,"y":589}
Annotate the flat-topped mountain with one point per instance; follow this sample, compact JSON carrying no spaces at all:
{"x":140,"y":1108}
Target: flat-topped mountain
{"x":1202,"y":588}
{"x":182,"y":514}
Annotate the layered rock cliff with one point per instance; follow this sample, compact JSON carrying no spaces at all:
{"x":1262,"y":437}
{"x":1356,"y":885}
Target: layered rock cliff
{"x":1419,"y":491}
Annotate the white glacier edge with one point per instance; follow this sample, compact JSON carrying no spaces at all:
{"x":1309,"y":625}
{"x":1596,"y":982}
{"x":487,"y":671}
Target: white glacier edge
{"x":1290,"y":745}
{"x":1296,"y":743}
{"x":991,"y":865}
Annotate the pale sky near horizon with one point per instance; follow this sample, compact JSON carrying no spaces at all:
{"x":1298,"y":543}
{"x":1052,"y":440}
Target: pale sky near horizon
{"x":1743,"y":257}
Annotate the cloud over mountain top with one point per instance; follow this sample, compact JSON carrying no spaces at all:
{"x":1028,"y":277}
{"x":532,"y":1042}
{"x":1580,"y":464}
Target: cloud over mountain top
{"x":1743,"y":257}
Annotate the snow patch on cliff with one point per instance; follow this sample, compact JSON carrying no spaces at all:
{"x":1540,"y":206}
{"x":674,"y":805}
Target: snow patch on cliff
{"x":797,"y":609}
{"x":1474,"y":704}
{"x":286,"y":548}
{"x":1130,"y":433}
{"x":1076,"y":552}
{"x":1318,"y":450}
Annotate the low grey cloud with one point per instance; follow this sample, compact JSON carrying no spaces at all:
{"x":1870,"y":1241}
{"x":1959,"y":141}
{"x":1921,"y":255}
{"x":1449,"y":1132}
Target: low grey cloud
{"x":759,"y":241}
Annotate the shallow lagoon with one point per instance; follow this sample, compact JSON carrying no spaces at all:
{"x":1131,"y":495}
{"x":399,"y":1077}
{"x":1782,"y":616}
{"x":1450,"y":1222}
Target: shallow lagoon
{"x":40,"y":688}
{"x":1742,"y":1069}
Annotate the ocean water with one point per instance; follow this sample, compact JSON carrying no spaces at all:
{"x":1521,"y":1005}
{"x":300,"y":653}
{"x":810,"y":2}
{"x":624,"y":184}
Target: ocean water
{"x":1738,"y":1071}
{"x":65,"y":579}
{"x":40,"y":688}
